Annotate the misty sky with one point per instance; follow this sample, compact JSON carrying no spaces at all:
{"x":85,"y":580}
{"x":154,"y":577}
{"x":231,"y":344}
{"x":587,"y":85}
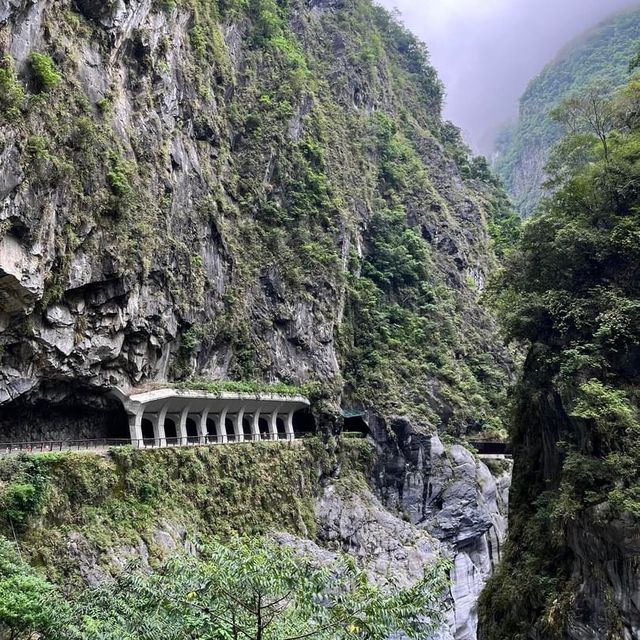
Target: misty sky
{"x":486,"y":51}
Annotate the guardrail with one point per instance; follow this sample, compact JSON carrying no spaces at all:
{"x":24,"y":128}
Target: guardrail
{"x":144,"y":443}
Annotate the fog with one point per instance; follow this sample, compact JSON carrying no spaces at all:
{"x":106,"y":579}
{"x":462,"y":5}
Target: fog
{"x":486,"y":51}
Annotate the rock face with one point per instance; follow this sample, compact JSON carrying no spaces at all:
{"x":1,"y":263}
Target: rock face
{"x":177,"y":203}
{"x":247,"y":191}
{"x":455,"y":498}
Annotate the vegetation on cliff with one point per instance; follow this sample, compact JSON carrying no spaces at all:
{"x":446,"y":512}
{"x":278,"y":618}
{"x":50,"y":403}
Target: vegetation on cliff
{"x":170,"y":544}
{"x":266,"y":191}
{"x":571,"y":294}
{"x":602,"y":54}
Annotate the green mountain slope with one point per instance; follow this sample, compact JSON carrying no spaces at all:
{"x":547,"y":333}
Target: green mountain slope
{"x":523,"y":149}
{"x":570,"y":294}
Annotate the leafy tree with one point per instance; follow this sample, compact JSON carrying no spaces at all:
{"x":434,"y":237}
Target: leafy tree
{"x":593,"y":111}
{"x":28,"y":603}
{"x":570,"y":295}
{"x":258,"y":590}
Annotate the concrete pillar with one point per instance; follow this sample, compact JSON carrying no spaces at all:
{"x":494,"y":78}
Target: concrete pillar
{"x":273,"y":424}
{"x":202,"y":426}
{"x":135,"y":427}
{"x":153,"y":418}
{"x":255,"y":425}
{"x":221,"y":427}
{"x":288,"y":425}
{"x":237,"y":425}
{"x":181,"y":427}
{"x":162,"y":416}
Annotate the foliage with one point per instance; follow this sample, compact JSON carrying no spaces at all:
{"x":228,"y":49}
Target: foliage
{"x":207,"y":492}
{"x":257,"y":589}
{"x":28,"y":603}
{"x":45,"y":74}
{"x":602,"y":54}
{"x":11,"y":91}
{"x":23,"y":493}
{"x":222,"y":386}
{"x":570,"y":295}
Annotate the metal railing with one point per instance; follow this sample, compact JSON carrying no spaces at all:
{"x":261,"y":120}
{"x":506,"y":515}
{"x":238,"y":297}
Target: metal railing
{"x":143,"y":443}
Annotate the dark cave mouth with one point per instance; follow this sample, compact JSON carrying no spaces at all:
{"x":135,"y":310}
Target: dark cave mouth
{"x":63,"y":411}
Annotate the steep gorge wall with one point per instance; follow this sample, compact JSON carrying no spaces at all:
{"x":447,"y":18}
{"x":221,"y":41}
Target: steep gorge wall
{"x":250,"y":191}
{"x":231,"y":190}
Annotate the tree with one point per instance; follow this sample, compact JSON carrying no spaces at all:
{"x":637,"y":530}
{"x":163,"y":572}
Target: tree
{"x":258,"y":590}
{"x":592,"y":111}
{"x":28,"y":603}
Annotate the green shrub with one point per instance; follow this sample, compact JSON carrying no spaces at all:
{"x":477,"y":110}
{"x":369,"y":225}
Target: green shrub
{"x":20,"y":500}
{"x":45,"y":73}
{"x":118,"y":177}
{"x":11,"y":91}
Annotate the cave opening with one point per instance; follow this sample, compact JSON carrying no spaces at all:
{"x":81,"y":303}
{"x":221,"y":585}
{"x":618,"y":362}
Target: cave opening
{"x":304,"y":424}
{"x":356,"y":426}
{"x":62,"y":411}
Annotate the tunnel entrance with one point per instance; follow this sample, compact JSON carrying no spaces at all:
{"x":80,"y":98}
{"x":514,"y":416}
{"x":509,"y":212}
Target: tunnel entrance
{"x":282,"y":433}
{"x":355,"y":425}
{"x":246,"y":429}
{"x":263,"y":425}
{"x":304,"y":424}
{"x":63,"y":412}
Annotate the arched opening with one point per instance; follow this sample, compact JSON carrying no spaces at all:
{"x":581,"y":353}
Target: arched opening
{"x":282,"y":433}
{"x":147,"y":433}
{"x":192,"y":431}
{"x":170,"y":432}
{"x":263,"y":425}
{"x":64,"y":411}
{"x":246,"y":429}
{"x":355,"y":427}
{"x":212,"y":435}
{"x":228,"y":425}
{"x":304,"y":423}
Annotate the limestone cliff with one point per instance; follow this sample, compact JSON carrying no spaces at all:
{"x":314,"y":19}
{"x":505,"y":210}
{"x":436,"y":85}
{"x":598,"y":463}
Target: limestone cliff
{"x":256,"y":191}
{"x":237,"y":190}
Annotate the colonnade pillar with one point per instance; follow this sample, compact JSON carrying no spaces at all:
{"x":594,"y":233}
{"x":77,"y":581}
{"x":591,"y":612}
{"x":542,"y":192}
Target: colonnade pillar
{"x":255,"y":425}
{"x":201,"y":418}
{"x":202,"y":426}
{"x":135,"y":427}
{"x":221,"y":427}
{"x":273,"y":424}
{"x":288,"y":425}
{"x":161,"y":440}
{"x":181,"y":427}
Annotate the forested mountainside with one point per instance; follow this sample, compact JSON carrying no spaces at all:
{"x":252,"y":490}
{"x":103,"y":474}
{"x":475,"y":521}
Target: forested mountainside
{"x":570,"y":294}
{"x":261,"y":192}
{"x":240,"y":190}
{"x":523,"y":149}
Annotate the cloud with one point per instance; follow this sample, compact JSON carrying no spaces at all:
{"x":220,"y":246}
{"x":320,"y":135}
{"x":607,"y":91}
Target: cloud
{"x":487,"y":51}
